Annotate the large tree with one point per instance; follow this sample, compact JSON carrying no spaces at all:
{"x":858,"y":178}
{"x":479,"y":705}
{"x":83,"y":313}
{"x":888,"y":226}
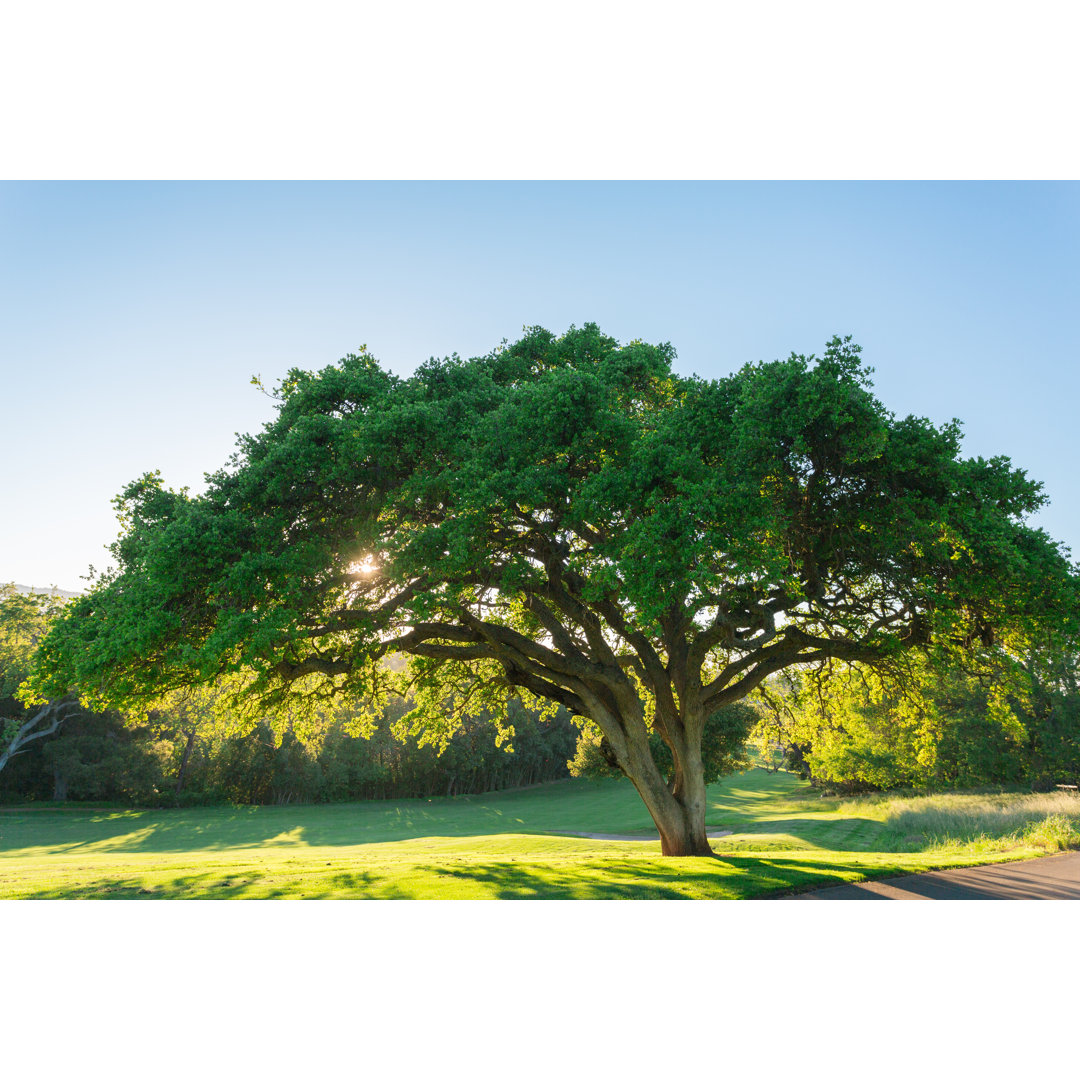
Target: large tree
{"x":564,"y":519}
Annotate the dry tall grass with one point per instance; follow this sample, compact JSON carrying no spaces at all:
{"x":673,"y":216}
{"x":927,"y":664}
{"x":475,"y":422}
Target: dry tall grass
{"x":998,"y":821}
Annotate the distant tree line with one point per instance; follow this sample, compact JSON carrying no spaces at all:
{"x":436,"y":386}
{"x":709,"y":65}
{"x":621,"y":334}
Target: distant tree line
{"x":100,"y":757}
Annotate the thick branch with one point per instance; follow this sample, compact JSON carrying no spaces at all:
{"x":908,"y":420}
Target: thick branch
{"x":55,"y":713}
{"x":797,"y":647}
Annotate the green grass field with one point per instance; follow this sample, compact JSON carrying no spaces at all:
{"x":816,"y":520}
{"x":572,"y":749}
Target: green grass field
{"x":512,"y":845}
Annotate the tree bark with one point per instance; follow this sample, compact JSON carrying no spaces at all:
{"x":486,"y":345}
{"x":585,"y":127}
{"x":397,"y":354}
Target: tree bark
{"x":680,"y":821}
{"x":184,"y":761}
{"x":677,"y":808}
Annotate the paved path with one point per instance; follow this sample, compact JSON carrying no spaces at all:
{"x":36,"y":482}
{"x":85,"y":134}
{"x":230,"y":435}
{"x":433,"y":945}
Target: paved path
{"x":1054,"y":877}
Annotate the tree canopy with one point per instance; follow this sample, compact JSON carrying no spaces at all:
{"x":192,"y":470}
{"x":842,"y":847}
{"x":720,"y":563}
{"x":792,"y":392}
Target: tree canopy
{"x":565,"y":520}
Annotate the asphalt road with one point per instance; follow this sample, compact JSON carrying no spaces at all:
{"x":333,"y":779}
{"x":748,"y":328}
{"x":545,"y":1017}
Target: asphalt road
{"x":1055,"y":877}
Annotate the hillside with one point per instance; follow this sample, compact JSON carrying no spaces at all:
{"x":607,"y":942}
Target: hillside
{"x":50,"y":590}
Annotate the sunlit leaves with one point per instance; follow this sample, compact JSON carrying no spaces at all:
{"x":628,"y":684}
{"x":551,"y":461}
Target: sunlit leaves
{"x":25,"y":619}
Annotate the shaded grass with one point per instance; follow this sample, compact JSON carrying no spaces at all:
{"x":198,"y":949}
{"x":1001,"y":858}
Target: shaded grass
{"x":567,"y":806}
{"x":504,"y":845}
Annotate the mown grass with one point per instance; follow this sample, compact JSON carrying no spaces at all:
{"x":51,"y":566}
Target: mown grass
{"x":516,"y":845}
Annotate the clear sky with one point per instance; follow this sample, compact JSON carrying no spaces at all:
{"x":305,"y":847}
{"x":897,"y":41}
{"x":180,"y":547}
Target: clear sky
{"x":133,"y":315}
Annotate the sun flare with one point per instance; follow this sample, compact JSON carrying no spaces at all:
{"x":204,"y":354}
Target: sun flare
{"x":366,"y":566}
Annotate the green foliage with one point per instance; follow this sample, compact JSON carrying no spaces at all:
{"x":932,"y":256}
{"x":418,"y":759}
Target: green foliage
{"x":100,"y":758}
{"x":787,"y":473}
{"x":24,"y":620}
{"x":261,"y":768}
{"x":852,"y":728}
{"x":932,"y":721}
{"x":93,"y":757}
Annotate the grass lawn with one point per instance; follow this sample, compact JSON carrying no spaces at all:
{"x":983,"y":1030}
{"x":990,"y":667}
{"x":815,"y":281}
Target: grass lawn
{"x":504,"y":845}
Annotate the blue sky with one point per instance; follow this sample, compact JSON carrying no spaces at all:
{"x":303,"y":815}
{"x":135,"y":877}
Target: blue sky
{"x":133,"y":315}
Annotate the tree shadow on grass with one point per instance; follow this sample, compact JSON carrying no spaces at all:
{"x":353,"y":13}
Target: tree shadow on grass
{"x":513,"y":881}
{"x":676,"y":879}
{"x":215,"y":885}
{"x":222,"y":829}
{"x":225,"y":828}
{"x":738,"y":877}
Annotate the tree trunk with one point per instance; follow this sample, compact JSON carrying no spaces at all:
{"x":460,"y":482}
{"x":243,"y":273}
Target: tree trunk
{"x":678,"y":809}
{"x":184,"y":760}
{"x":681,"y":825}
